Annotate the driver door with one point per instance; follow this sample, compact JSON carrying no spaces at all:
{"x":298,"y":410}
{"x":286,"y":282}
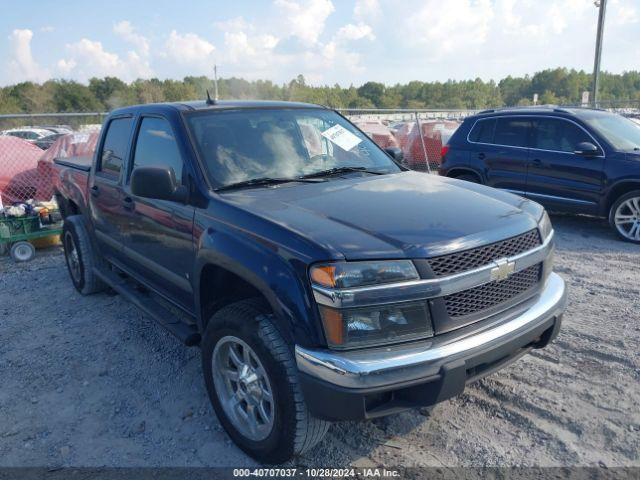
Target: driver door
{"x":556,"y":176}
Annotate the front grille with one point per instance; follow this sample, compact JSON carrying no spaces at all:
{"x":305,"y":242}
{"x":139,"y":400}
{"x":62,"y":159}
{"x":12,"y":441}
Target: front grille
{"x":491,"y":294}
{"x":477,"y":257}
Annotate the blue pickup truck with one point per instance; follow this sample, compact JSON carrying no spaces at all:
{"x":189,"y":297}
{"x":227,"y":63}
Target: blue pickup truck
{"x":321,"y":279}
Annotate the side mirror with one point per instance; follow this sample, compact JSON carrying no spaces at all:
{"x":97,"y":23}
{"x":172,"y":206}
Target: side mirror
{"x":586,"y":149}
{"x":157,"y":182}
{"x":395,"y":153}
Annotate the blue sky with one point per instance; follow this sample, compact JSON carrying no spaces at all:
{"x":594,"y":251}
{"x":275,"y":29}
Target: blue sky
{"x":328,"y":41}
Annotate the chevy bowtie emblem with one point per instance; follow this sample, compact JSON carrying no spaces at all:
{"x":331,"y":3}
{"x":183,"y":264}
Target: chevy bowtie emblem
{"x":503,"y":270}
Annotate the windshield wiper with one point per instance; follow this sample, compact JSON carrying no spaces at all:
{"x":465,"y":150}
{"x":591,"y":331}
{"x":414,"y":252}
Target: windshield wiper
{"x":337,"y":170}
{"x":256,"y":182}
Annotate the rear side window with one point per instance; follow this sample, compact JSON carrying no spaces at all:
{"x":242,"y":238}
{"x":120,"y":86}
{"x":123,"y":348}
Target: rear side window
{"x":114,"y":149}
{"x":512,"y":132}
{"x":482,"y":131}
{"x":156,"y":146}
{"x":559,"y":135}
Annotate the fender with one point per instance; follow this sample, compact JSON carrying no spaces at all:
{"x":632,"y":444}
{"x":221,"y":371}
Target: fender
{"x":263,"y":265}
{"x":625,"y":184}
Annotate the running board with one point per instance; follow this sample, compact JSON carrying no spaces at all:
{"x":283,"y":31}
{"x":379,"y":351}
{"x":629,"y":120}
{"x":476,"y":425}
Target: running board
{"x":187,"y":334}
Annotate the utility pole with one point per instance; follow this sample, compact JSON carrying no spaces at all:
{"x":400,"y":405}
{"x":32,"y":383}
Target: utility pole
{"x":215,"y":83}
{"x":602,"y":5}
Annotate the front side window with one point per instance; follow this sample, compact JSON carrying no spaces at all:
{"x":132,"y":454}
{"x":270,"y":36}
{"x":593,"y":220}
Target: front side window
{"x":512,"y":132}
{"x":247,"y":144}
{"x":114,"y":149}
{"x":558,"y":135}
{"x":156,"y":146}
{"x":620,"y":132}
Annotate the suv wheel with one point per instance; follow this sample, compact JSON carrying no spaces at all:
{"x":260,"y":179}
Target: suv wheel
{"x":624,"y":216}
{"x":252,"y":381}
{"x":80,"y":257}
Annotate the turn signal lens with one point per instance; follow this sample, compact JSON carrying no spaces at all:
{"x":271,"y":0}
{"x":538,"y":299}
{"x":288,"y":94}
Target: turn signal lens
{"x":359,"y":274}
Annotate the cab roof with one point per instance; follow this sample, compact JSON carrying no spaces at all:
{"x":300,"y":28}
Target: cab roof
{"x":218,"y":105}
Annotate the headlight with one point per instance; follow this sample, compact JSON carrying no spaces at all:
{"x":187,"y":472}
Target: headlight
{"x":360,"y":274}
{"x":377,"y":325}
{"x":545,"y":226}
{"x":374,"y":325}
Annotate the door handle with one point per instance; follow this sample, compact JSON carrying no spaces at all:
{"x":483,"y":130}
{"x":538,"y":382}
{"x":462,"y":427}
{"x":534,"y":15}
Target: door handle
{"x":127,"y":203}
{"x":481,"y":156}
{"x":95,"y":190}
{"x":537,"y":161}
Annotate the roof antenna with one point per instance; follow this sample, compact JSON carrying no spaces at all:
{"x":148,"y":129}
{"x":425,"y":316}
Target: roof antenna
{"x":215,"y":86}
{"x":209,"y":101}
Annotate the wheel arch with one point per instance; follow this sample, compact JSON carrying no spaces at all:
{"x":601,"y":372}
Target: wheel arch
{"x":616,"y":191}
{"x":228,"y":270}
{"x":458,"y":171}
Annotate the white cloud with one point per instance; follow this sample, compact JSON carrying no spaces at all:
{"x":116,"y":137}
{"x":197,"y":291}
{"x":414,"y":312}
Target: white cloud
{"x":188,"y":49}
{"x":125,"y":30}
{"x":22,"y":65}
{"x":445,"y":29}
{"x":47,"y":29}
{"x":305,"y":19}
{"x":367,"y":10}
{"x":88,"y":59}
{"x":355,"y":32}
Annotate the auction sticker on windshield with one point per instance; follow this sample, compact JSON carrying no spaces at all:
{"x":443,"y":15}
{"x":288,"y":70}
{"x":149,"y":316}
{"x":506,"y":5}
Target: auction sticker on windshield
{"x":341,"y":137}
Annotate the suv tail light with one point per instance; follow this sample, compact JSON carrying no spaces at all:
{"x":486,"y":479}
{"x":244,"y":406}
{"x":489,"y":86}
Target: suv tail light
{"x":443,"y":151}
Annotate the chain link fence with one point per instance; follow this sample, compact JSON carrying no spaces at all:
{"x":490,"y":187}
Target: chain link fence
{"x":420,"y":134}
{"x":30,"y":142}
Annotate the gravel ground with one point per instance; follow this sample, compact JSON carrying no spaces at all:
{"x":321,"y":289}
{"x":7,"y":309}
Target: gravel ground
{"x":89,"y":381}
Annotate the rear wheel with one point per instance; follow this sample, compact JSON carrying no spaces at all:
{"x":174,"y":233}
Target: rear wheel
{"x":252,"y":381}
{"x":80,"y":256}
{"x":624,"y":216}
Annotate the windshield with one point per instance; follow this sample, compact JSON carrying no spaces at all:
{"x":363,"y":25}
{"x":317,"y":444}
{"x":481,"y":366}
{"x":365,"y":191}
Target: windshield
{"x":241,"y":145}
{"x":622,"y":133}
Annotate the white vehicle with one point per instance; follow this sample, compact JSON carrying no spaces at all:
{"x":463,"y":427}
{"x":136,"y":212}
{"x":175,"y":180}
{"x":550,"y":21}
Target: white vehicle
{"x":30,"y":134}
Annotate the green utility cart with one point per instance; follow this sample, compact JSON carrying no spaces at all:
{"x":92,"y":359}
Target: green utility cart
{"x":17,"y":233}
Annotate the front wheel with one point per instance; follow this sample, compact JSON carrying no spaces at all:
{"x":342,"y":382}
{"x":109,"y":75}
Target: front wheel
{"x":252,"y":381}
{"x":624,"y":216}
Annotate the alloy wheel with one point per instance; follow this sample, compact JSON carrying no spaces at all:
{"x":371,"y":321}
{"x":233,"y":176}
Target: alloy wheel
{"x":243,"y":388}
{"x":627,"y":218}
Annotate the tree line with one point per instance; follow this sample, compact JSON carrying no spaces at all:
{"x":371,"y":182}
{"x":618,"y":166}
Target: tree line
{"x":554,"y":86}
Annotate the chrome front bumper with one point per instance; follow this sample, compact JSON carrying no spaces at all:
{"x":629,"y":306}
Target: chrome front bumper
{"x":402,"y":364}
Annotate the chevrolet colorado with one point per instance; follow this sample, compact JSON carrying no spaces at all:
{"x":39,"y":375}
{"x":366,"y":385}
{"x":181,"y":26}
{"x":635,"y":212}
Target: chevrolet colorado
{"x":321,"y":280}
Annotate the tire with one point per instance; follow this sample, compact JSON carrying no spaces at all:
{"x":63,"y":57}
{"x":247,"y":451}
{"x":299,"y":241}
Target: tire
{"x":624,"y":216}
{"x":80,"y":256}
{"x":292,"y":429}
{"x":468,"y":178}
{"x":22,"y":252}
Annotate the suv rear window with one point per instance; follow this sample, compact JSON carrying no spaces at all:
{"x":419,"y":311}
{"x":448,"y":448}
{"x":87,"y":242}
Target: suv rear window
{"x":512,"y":132}
{"x":482,"y":131}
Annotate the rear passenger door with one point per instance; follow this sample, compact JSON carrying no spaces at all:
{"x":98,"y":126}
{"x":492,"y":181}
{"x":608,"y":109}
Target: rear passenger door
{"x":557,"y":177}
{"x":105,"y":187}
{"x":500,"y":149}
{"x":158,"y":236}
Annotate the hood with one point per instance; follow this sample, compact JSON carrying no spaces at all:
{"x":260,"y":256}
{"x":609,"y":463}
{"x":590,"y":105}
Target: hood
{"x":403,"y":215}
